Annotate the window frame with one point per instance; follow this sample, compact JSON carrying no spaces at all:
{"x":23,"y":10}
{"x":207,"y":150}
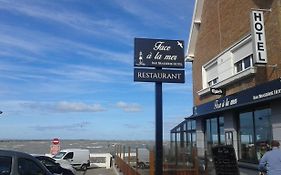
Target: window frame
{"x":242,"y":63}
{"x":253,"y":118}
{"x":209,"y":128}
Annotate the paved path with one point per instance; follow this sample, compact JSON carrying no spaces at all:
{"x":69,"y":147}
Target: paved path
{"x":97,"y":171}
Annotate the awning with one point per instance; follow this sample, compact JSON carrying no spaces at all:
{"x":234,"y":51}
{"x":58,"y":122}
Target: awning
{"x":258,"y":94}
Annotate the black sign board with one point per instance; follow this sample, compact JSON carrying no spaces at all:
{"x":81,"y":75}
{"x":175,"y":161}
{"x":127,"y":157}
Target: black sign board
{"x":159,"y":53}
{"x":224,"y":159}
{"x":163,"y":75}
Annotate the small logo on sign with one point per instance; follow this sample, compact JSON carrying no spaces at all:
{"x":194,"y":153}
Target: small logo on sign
{"x":141,"y":63}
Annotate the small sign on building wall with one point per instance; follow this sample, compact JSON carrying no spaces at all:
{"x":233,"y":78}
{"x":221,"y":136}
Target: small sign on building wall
{"x":258,"y":36}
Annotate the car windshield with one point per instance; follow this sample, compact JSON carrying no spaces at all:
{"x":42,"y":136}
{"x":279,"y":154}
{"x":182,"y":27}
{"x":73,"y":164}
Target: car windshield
{"x":59,"y":155}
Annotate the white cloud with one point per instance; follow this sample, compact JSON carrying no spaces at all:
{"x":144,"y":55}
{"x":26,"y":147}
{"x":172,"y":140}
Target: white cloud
{"x":74,"y":126}
{"x":51,"y":107}
{"x":133,"y":107}
{"x":78,"y":107}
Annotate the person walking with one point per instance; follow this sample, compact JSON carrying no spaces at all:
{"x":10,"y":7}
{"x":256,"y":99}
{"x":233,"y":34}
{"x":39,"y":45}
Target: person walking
{"x":271,"y":160}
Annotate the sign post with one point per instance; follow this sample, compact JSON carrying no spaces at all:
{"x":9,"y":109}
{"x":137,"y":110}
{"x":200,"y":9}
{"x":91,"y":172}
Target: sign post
{"x":55,"y":146}
{"x":159,"y":53}
{"x":158,"y":128}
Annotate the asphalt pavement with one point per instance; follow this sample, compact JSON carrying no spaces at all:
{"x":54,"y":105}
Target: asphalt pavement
{"x":97,"y":171}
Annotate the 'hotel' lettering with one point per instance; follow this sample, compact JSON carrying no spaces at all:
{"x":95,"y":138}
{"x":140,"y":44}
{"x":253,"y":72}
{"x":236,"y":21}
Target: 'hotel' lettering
{"x":258,"y":35}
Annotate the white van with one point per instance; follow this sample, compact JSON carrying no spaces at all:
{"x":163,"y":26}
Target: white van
{"x":143,"y":158}
{"x":78,"y":158}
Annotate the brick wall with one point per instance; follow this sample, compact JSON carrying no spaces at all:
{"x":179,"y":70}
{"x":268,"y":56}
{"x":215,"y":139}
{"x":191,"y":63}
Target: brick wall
{"x":225,"y":22}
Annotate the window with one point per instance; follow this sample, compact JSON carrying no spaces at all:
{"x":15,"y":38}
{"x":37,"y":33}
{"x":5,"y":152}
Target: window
{"x":47,"y":162}
{"x":29,"y":167}
{"x":69,"y":156}
{"x":214,"y":132}
{"x":254,"y":134}
{"x":213,"y":81}
{"x":5,"y":165}
{"x":183,"y":140}
{"x":59,"y":155}
{"x":229,"y":66}
{"x":191,"y":133}
{"x":244,"y":63}
{"x":221,"y":130}
{"x":211,"y":73}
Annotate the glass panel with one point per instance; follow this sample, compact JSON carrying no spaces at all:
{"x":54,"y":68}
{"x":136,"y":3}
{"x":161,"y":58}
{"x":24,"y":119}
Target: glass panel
{"x":208,"y":130}
{"x":263,"y":131}
{"x":247,"y":62}
{"x":182,"y":139}
{"x":221,"y":125}
{"x":238,"y":66}
{"x":189,"y":141}
{"x":247,"y":145}
{"x":215,"y":80}
{"x":27,"y":166}
{"x":193,"y":124}
{"x":184,"y":126}
{"x":194,"y":138}
{"x":214,"y":131}
{"x":172,"y":137}
{"x":189,"y":125}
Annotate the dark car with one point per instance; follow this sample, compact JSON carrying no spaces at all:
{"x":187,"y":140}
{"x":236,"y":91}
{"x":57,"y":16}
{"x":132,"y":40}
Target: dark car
{"x":19,"y":163}
{"x":53,"y":166}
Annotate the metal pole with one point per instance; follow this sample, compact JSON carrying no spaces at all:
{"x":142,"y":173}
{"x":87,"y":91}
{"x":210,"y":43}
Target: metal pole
{"x":159,"y":129}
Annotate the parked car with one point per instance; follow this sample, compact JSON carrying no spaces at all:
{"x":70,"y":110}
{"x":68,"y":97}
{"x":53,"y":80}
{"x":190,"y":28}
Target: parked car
{"x":19,"y":163}
{"x":56,"y":167}
{"x":78,"y":158}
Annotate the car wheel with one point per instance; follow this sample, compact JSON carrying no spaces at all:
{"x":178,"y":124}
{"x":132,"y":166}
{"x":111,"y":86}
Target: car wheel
{"x":84,"y":167}
{"x":141,"y":165}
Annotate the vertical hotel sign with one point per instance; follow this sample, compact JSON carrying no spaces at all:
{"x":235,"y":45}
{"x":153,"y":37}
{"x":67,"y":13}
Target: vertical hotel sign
{"x":258,"y":37}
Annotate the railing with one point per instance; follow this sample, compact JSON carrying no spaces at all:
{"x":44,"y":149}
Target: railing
{"x":127,"y":163}
{"x":173,"y":168}
{"x":125,"y":168}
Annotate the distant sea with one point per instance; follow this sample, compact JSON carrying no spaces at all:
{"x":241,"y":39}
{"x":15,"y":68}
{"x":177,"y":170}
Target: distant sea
{"x":95,"y":146}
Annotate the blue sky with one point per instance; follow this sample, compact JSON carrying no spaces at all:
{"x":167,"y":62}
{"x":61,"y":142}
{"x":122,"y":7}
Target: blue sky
{"x":66,"y":68}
